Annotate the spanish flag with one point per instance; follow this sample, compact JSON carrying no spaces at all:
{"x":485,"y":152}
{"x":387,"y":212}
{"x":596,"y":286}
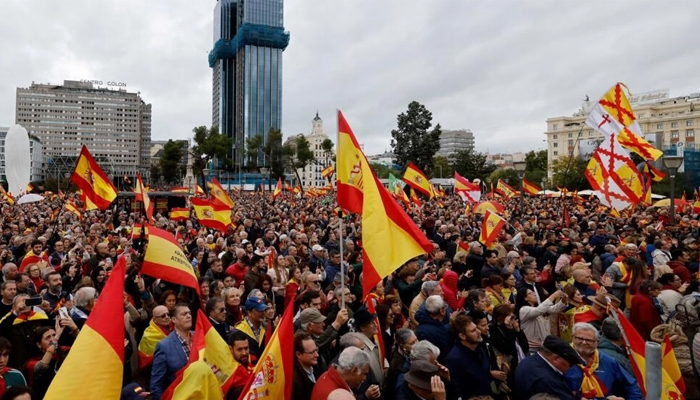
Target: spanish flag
{"x":29,"y":188}
{"x":415,"y":198}
{"x":92,"y":181}
{"x":468,"y":191}
{"x":153,"y":334}
{"x":272,"y":376}
{"x":219,"y":195}
{"x":328,"y":171}
{"x":70,"y":206}
{"x":400,"y":194}
{"x":179,"y":214}
{"x":383,"y":221}
{"x":505,"y":190}
{"x":278,"y":189}
{"x":491,"y":227}
{"x":415,"y":178}
{"x":198,"y":191}
{"x":297,"y":189}
{"x":212,"y":215}
{"x":88,"y":205}
{"x":348,"y":171}
{"x":211,"y":369}
{"x":142,"y":196}
{"x":670,"y":364}
{"x":180,"y":189}
{"x":164,"y":259}
{"x":98,"y":351}
{"x":31,"y":258}
{"x":6,"y":196}
{"x":530,"y":188}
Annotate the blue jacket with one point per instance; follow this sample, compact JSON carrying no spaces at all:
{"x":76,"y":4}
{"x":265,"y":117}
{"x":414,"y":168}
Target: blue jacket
{"x":168,"y":358}
{"x":534,"y":375}
{"x":436,"y":333}
{"x":606,"y":259}
{"x":474,"y":378}
{"x":612,"y":375}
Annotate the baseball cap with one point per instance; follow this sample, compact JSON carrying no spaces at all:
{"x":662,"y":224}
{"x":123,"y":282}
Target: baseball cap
{"x":563,"y":349}
{"x":311,"y":315}
{"x":255,"y":303}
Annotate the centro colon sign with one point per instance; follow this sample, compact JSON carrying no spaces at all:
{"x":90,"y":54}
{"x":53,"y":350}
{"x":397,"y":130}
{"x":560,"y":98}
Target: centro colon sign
{"x":101,"y":83}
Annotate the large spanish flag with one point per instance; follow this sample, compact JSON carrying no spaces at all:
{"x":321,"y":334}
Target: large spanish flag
{"x":491,"y":227}
{"x":212,"y":215}
{"x":272,"y":376}
{"x":348,"y":169}
{"x":219,"y":195}
{"x":211,"y":351}
{"x":92,"y":180}
{"x":415,"y":178}
{"x":179,"y":214}
{"x":670,"y":364}
{"x":505,"y":189}
{"x":278,"y":188}
{"x":530,"y":188}
{"x":98,"y":351}
{"x":164,"y":259}
{"x":142,"y":196}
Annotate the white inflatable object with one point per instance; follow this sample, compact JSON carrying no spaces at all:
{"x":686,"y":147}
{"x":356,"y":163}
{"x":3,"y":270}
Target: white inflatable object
{"x":17,"y":160}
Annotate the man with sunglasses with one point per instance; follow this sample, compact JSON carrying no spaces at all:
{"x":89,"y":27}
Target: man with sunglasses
{"x":159,"y":327}
{"x":216,"y":311}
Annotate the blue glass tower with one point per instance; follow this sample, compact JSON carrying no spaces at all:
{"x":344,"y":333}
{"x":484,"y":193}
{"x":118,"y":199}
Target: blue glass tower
{"x":249,"y":39}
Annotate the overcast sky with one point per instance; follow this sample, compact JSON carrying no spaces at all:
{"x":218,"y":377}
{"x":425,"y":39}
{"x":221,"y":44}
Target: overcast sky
{"x":499,"y":68}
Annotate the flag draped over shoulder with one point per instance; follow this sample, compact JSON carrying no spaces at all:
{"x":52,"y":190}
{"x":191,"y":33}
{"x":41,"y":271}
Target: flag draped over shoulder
{"x":383,"y":222}
{"x":505,"y":190}
{"x":165,"y":260}
{"x":92,"y":181}
{"x":469,"y":191}
{"x":212,"y":215}
{"x":272,"y":376}
{"x":491,"y":227}
{"x":219,"y":195}
{"x":612,"y":173}
{"x":348,"y":171}
{"x":530,"y":188}
{"x":142,"y":196}
{"x":98,"y":351}
{"x":416,"y":179}
{"x":211,"y":369}
{"x":613,"y":115}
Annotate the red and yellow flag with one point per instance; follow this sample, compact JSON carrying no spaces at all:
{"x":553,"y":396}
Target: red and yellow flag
{"x":180,"y":189}
{"x":415,"y":178}
{"x":6,"y":196}
{"x":179,"y":214}
{"x":491,"y":227}
{"x":272,"y":376}
{"x":400,"y":194}
{"x":70,"y":206}
{"x":297,"y":189}
{"x":505,"y":190}
{"x":147,"y":346}
{"x":349,"y":173}
{"x":98,"y":351}
{"x":211,"y":369}
{"x":164,"y":259}
{"x":198,"y":191}
{"x":415,"y":198}
{"x":212,"y":215}
{"x":670,"y":364}
{"x":278,"y":189}
{"x":92,"y":181}
{"x":29,"y":188}
{"x":530,"y":188}
{"x":219,"y":195}
{"x":328,"y":171}
{"x":142,"y":196}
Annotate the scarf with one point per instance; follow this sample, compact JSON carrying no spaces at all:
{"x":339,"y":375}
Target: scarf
{"x":3,"y":384}
{"x":498,"y":295}
{"x":592,"y":386}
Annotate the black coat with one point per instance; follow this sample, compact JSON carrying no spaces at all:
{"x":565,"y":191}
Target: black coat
{"x":302,"y":386}
{"x":534,"y":375}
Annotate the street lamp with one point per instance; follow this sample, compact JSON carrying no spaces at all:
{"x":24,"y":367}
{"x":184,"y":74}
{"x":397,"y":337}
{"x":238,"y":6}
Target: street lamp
{"x":520,"y":169}
{"x":672,"y":164}
{"x":264,"y":171}
{"x":544,"y":184}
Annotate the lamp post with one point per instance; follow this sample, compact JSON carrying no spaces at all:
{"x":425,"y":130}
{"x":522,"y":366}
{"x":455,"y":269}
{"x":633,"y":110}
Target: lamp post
{"x":520,"y":169}
{"x":544,"y":184}
{"x":672,"y":164}
{"x":264,"y":171}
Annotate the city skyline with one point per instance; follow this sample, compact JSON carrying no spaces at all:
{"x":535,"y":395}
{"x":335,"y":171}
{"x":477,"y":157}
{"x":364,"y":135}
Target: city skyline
{"x":499,"y":70}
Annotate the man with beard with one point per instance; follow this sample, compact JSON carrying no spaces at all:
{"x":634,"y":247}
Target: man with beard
{"x":240,"y":350}
{"x":55,"y":294}
{"x":469,"y":357}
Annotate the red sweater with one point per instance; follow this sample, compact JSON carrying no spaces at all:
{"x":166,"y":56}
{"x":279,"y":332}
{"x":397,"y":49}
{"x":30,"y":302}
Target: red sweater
{"x":328,"y":382}
{"x":643,"y":315}
{"x":449,"y":288}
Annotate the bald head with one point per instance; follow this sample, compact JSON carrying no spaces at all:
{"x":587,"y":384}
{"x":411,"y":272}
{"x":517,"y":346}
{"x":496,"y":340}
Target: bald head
{"x":158,"y":313}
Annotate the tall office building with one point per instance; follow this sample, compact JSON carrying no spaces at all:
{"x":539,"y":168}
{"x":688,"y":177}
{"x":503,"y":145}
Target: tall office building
{"x":115,"y":125}
{"x":454,"y":141}
{"x":249,"y":39}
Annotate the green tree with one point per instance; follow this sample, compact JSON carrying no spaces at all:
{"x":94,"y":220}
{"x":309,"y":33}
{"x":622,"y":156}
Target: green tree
{"x":536,"y":160}
{"x":509,"y":176}
{"x":567,"y":172}
{"x":383,"y":171}
{"x":171,"y":161}
{"x":253,"y":147}
{"x":442,"y":167}
{"x":414,"y":140}
{"x":209,"y":144}
{"x":298,"y":155}
{"x":471,"y":164}
{"x":155,"y":172}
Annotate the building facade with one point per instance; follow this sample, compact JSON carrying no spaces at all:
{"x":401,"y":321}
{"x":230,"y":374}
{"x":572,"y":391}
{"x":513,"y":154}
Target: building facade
{"x":666,"y":123}
{"x":453,"y":141}
{"x":246,"y":62}
{"x":36,"y":164}
{"x":311,"y":174}
{"x":115,"y":125}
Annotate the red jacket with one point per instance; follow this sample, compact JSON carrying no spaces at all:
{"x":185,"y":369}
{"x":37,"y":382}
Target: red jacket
{"x":328,"y":382}
{"x":449,"y":288}
{"x":681,"y":270}
{"x":644,"y":315}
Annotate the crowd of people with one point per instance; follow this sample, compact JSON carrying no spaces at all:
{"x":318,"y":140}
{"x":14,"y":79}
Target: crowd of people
{"x":531,"y":316}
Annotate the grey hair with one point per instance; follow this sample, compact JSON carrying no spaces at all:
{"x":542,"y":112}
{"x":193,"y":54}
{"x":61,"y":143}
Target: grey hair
{"x":583,"y":326}
{"x":256,"y":293}
{"x":609,"y":248}
{"x":511,"y":255}
{"x":434,"y":304}
{"x":227,"y":292}
{"x":402,"y":336}
{"x":7,"y":267}
{"x":610,"y":330}
{"x":423,"y":350}
{"x":19,"y":297}
{"x":351,"y":358}
{"x":350,"y":339}
{"x":428,"y":286}
{"x":84,"y":295}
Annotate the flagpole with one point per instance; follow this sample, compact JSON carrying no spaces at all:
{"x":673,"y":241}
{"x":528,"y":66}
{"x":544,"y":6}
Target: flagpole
{"x":340,"y":224}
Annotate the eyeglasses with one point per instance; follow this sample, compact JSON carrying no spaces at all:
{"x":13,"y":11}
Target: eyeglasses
{"x":316,"y":282}
{"x":222,"y":309}
{"x":314,"y":351}
{"x":585,"y":340}
{"x":164,"y":316}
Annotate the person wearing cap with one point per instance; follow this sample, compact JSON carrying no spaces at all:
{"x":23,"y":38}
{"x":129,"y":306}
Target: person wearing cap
{"x":252,"y":325}
{"x":600,"y":304}
{"x":317,"y":258}
{"x":422,"y":382}
{"x":364,"y":323}
{"x":332,"y":267}
{"x":599,"y":375}
{"x":470,"y":358}
{"x":312,"y":322}
{"x":349,"y":373}
{"x":544,"y":371}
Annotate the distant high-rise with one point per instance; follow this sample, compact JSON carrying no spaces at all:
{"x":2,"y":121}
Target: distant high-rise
{"x":455,"y":141}
{"x":249,"y":39}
